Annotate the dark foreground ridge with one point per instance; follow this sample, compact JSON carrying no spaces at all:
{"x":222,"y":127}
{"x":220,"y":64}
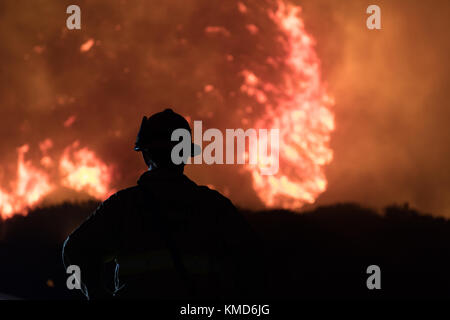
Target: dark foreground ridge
{"x":322,"y":253}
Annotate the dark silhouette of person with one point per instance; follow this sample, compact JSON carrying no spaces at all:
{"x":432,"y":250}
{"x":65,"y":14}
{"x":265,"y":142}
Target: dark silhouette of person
{"x":168,"y":236}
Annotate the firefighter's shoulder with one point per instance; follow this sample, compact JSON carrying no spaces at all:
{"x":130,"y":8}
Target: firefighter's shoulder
{"x":214,"y":197}
{"x":130,"y":192}
{"x":121,"y":197}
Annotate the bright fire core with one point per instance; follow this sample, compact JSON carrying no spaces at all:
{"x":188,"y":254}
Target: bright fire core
{"x":301,"y":112}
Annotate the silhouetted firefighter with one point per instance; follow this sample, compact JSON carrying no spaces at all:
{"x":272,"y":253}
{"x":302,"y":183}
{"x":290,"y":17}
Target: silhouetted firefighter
{"x":169,"y":237}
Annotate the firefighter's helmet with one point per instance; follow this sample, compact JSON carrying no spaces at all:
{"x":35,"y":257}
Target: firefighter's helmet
{"x":156,"y":131}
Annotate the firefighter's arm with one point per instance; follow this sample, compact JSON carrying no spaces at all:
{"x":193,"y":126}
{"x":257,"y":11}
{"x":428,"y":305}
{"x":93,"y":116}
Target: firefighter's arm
{"x":91,"y":244}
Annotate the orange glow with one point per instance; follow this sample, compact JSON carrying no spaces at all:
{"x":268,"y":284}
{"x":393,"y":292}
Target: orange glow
{"x":302,"y":115}
{"x":280,"y":88}
{"x":242,"y":8}
{"x":252,"y":28}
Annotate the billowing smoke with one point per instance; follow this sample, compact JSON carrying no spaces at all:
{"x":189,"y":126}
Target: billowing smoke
{"x":391,"y":88}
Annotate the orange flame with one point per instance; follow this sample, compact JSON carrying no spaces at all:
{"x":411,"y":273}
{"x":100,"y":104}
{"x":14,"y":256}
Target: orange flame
{"x":30,"y":186}
{"x":301,"y":113}
{"x":80,"y":170}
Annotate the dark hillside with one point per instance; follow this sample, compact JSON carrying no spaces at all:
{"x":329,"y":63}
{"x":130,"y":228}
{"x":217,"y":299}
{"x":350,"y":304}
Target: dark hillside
{"x":321,"y":253}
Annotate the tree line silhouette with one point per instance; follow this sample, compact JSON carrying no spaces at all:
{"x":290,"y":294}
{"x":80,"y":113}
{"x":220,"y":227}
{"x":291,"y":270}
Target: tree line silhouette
{"x":321,"y":253}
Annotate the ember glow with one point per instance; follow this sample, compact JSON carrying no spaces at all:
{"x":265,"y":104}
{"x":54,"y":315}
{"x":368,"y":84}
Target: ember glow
{"x":250,"y":64}
{"x":301,"y":112}
{"x":87,"y":45}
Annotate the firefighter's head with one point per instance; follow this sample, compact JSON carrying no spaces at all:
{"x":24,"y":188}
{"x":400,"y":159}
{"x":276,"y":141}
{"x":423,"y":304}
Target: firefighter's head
{"x":154,"y":139}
